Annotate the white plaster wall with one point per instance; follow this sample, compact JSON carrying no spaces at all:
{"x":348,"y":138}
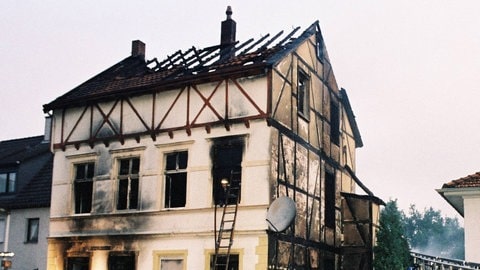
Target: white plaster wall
{"x":196,"y":216}
{"x":472,"y":231}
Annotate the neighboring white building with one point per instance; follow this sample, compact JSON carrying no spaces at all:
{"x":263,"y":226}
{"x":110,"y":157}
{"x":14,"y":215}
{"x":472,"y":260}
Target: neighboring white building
{"x":144,"y":151}
{"x":25,"y":187}
{"x":464,"y":195}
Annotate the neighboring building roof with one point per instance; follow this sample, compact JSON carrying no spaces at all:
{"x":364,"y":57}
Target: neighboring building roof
{"x":472,"y":180}
{"x":454,"y":191}
{"x":134,"y":75}
{"x":31,"y":160}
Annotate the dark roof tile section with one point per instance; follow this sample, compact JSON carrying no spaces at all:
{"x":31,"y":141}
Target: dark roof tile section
{"x":469,"y":181}
{"x":135,"y":76}
{"x":31,"y":160}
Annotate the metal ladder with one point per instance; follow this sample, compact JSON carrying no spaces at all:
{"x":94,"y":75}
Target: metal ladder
{"x":224,"y":237}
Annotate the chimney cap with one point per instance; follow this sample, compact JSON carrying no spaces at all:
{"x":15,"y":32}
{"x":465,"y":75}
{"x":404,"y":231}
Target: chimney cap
{"x":138,"y":49}
{"x":229,"y":12}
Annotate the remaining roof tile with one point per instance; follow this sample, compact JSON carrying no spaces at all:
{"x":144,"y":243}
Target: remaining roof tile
{"x":134,"y":74}
{"x":469,"y":181}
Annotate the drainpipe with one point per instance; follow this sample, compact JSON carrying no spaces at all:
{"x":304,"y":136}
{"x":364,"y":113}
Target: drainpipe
{"x":6,"y":255}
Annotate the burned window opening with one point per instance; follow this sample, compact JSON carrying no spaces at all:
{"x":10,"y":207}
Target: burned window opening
{"x":233,"y":262}
{"x":128,"y":183}
{"x":83,"y":187}
{"x":227,"y":156}
{"x":303,"y":95}
{"x":121,"y":261}
{"x":329,"y":200}
{"x":334,"y":123}
{"x":176,"y":179}
{"x":78,"y":263}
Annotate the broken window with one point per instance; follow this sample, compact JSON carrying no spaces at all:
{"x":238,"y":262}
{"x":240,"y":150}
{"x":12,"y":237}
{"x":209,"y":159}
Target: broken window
{"x":227,"y":166}
{"x":32,"y":230}
{"x":334,"y":123}
{"x":176,"y":179}
{"x":329,"y":200}
{"x":78,"y":263}
{"x":121,"y":261}
{"x":83,"y":187}
{"x":7,"y":182}
{"x":128,"y":183}
{"x":233,"y":262}
{"x":303,"y":98}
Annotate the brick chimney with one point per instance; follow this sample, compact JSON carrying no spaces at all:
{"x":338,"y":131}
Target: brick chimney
{"x":138,"y":49}
{"x":227,"y":38}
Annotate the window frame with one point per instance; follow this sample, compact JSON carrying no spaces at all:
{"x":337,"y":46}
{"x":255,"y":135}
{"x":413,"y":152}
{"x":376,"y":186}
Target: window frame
{"x":158,"y":256}
{"x":335,"y":122}
{"x":303,"y":94}
{"x":177,"y":172}
{"x":210,"y":254}
{"x":330,"y":200}
{"x":10,"y":185}
{"x":84,"y":180}
{"x":29,"y":238}
{"x":130,"y":178}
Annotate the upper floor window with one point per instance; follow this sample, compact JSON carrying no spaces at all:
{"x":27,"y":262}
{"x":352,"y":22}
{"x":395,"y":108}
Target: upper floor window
{"x":83,"y":187}
{"x":303,"y":98}
{"x":176,"y":179}
{"x":334,"y":123}
{"x":7,"y":182}
{"x":330,"y":197}
{"x":128,"y":183}
{"x":33,"y":225}
{"x":227,"y":155}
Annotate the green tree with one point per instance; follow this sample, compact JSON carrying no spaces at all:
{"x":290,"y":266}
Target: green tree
{"x":430,"y":233}
{"x":392,"y":251}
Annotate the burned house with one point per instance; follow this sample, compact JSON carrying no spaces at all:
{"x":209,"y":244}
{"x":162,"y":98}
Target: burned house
{"x":174,"y":163}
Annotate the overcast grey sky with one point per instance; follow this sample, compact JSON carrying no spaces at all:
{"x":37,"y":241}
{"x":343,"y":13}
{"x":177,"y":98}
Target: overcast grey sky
{"x":411,"y":69}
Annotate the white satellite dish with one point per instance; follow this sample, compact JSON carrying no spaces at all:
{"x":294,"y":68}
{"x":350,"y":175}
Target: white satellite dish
{"x":281,"y":214}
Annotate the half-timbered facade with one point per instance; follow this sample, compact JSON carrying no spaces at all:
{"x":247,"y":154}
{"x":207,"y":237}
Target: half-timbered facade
{"x":146,"y":154}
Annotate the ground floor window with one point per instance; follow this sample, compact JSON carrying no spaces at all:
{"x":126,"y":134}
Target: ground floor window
{"x":78,"y":263}
{"x":121,"y":261}
{"x":170,"y":260}
{"x":171,"y":264}
{"x":233,"y":262}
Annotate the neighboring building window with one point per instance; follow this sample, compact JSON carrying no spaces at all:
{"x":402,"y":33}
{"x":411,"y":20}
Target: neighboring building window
{"x":7,"y":182}
{"x":32,"y":230}
{"x":128,"y":183}
{"x":78,"y":263}
{"x":83,"y":187}
{"x":329,"y":200}
{"x":334,"y":123}
{"x":303,"y":98}
{"x":2,"y":229}
{"x":176,"y":179}
{"x":171,"y":264}
{"x":227,"y":156}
